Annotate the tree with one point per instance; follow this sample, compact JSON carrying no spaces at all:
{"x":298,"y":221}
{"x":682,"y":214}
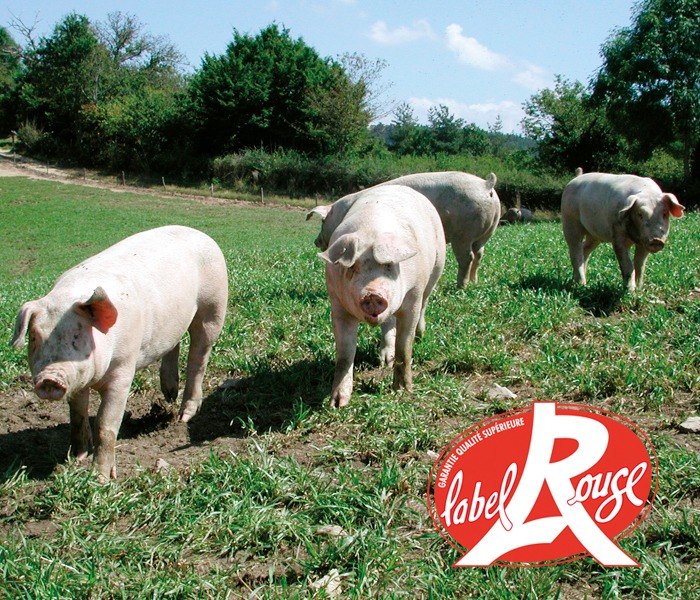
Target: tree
{"x":649,"y":84}
{"x":107,"y":94}
{"x":569,"y":130}
{"x":367,"y":73}
{"x":407,"y":137}
{"x":270,"y":90}
{"x":140,"y":131}
{"x":475,"y":141}
{"x":62,"y":75}
{"x":10,"y":70}
{"x":129,"y":46}
{"x":340,"y":119}
{"x":446,"y":130}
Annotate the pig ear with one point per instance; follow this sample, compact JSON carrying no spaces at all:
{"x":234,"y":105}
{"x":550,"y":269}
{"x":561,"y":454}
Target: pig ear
{"x":630,"y":201}
{"x":100,"y":310}
{"x":392,"y":249}
{"x":22,"y":324}
{"x":343,"y":251}
{"x":321,"y":211}
{"x":674,"y":207}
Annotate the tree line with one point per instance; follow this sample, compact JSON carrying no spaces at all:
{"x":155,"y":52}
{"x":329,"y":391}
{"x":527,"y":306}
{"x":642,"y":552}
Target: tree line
{"x":111,"y":95}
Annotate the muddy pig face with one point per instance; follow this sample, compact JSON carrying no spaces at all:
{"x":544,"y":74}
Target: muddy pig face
{"x":647,"y":220}
{"x":61,"y":341}
{"x":370,"y":284}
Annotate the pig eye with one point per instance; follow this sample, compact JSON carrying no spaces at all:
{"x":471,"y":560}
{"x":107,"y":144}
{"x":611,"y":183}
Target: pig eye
{"x":353,"y":270}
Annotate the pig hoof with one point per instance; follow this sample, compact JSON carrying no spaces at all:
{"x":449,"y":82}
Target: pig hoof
{"x":104,"y":477}
{"x":81,"y":456}
{"x":402,"y":381}
{"x":189,"y":409}
{"x":338,"y":401}
{"x":387,"y":359}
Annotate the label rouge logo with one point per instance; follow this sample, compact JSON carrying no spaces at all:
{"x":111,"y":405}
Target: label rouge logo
{"x":543,"y":485}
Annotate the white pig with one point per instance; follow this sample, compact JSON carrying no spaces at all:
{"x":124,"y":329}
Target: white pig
{"x":624,"y":210}
{"x":383,"y":260}
{"x":468,"y":207}
{"x":518,"y":215}
{"x":119,"y":311}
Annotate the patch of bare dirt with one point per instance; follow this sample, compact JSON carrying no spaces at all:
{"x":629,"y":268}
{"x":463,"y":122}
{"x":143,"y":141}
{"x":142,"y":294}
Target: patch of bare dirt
{"x":35,"y":433}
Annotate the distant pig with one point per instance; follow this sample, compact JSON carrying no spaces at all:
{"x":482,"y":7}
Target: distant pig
{"x":624,"y":210}
{"x":119,"y":311}
{"x":468,"y":207}
{"x":382,"y":262}
{"x":518,"y":215}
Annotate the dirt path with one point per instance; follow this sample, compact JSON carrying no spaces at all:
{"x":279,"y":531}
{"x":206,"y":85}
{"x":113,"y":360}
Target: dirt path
{"x":20,"y":166}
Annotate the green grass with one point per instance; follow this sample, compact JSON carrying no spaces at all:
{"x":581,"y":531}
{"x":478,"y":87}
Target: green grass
{"x":253,"y":521}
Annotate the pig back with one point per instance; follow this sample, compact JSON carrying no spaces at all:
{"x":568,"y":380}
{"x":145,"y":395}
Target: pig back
{"x":468,"y":206}
{"x":158,"y":280}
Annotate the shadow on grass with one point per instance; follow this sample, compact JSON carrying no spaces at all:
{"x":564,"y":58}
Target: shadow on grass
{"x":268,"y":400}
{"x":37,"y":450}
{"x":600,"y":299}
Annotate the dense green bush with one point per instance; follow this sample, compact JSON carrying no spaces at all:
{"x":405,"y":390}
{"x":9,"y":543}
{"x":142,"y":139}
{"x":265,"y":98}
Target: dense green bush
{"x":293,"y":174}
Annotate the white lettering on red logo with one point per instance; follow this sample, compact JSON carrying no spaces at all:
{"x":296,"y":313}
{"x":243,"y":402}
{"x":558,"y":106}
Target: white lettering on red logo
{"x":543,"y":485}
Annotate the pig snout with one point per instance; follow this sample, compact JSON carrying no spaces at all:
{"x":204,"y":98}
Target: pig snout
{"x":48,"y":388}
{"x":373,"y":305}
{"x":655,"y":245}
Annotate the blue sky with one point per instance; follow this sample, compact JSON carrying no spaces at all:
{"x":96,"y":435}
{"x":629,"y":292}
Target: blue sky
{"x":481,"y":58}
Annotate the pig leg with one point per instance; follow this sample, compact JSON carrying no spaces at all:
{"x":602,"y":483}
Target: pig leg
{"x":203,"y":334}
{"x":406,"y":323}
{"x":588,"y":246}
{"x":640,"y":263}
{"x":80,"y":437}
{"x":432,"y":282}
{"x":465,"y":256}
{"x":107,"y":423}
{"x":169,"y":374}
{"x":573,"y":234}
{"x":478,"y":252}
{"x":345,"y":328}
{"x":420,"y":328}
{"x":387,"y":349}
{"x":622,"y":252}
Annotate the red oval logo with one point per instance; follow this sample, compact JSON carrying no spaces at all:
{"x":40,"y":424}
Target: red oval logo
{"x":543,"y":485}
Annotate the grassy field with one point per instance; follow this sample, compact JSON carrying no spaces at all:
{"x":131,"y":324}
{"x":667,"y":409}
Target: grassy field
{"x":314,"y":493}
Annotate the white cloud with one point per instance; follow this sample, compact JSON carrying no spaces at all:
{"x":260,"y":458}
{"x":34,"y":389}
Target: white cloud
{"x":381,"y":34}
{"x":471,"y":52}
{"x":533,"y":77}
{"x":481,"y":114}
